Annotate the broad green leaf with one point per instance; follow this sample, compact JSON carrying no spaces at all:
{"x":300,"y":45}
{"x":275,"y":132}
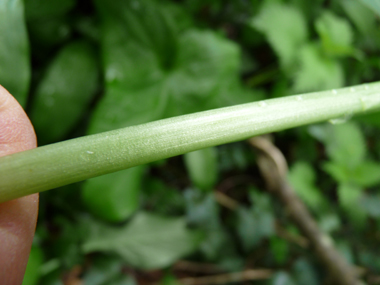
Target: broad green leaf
{"x":46,"y":8}
{"x":371,"y":205}
{"x":302,"y":178}
{"x":217,"y":245}
{"x":319,"y":132}
{"x":48,"y":23}
{"x":102,"y":270}
{"x":248,"y":228}
{"x":252,"y":227}
{"x":147,"y":242}
{"x":234,"y":156}
{"x":310,"y":9}
{"x":67,"y":244}
{"x":305,"y":272}
{"x":373,"y":4}
{"x":153,"y":71}
{"x":372,"y":119}
{"x":201,"y":209}
{"x":361,"y":15}
{"x":366,"y":174}
{"x":285,"y":28}
{"x":369,"y":258}
{"x":345,"y":250}
{"x":14,"y":50}
{"x":257,"y":222}
{"x":349,"y":197}
{"x":316,"y":71}
{"x":197,"y":5}
{"x":338,"y":171}
{"x":89,"y":27}
{"x":345,"y":146}
{"x":32,"y":273}
{"x":162,"y":198}
{"x":329,"y":222}
{"x":182,"y":19}
{"x":50,"y":266}
{"x":307,"y":149}
{"x":202,"y":166}
{"x":48,"y":32}
{"x":336,"y":34}
{"x":65,"y":91}
{"x":279,"y":249}
{"x":260,"y":200}
{"x":106,"y":271}
{"x":114,"y":197}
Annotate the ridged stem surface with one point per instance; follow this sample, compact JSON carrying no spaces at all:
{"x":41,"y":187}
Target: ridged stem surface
{"x":78,"y":159}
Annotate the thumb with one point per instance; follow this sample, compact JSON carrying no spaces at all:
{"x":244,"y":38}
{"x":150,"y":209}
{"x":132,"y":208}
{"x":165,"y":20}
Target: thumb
{"x":17,"y":217}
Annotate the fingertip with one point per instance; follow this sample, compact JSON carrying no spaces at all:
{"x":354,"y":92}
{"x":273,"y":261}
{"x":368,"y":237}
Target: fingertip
{"x":17,"y":217}
{"x":17,"y":226}
{"x":16,"y":131}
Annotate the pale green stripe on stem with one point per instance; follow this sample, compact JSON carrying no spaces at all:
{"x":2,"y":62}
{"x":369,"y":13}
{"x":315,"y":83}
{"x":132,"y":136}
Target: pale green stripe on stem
{"x":74,"y":160}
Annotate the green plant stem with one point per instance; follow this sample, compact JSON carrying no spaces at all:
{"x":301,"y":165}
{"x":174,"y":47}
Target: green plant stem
{"x":74,"y":160}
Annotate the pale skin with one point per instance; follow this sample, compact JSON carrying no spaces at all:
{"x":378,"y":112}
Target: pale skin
{"x":18,"y":217}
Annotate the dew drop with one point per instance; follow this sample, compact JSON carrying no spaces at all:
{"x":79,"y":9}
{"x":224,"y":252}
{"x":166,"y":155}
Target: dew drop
{"x":341,"y":120}
{"x":90,"y":152}
{"x":262,"y":104}
{"x":337,"y":121}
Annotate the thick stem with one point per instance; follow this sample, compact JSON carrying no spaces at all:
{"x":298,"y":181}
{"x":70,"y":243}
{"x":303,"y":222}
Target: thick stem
{"x":74,"y":160}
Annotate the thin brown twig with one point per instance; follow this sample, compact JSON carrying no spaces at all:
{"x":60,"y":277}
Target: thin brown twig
{"x":73,"y":276}
{"x":231,"y":182}
{"x":246,"y":275}
{"x":226,"y":201}
{"x":273,"y":167}
{"x":373,"y":280}
{"x":195,"y":267}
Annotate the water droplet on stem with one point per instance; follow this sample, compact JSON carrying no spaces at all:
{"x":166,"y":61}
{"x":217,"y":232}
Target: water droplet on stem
{"x":262,"y":104}
{"x":341,"y":120}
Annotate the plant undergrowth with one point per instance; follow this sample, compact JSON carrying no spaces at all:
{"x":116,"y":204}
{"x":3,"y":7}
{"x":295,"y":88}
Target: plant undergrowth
{"x":86,"y":67}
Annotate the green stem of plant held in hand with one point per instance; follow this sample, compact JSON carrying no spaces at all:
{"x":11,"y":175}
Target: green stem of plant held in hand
{"x":78,"y":159}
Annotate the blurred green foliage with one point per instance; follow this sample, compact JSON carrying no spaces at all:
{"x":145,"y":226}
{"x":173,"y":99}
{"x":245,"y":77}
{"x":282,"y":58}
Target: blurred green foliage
{"x":83,"y":67}
{"x":14,"y":50}
{"x":202,"y":167}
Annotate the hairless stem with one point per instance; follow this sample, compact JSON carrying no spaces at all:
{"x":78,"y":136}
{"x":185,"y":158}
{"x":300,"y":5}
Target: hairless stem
{"x":70,"y":161}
